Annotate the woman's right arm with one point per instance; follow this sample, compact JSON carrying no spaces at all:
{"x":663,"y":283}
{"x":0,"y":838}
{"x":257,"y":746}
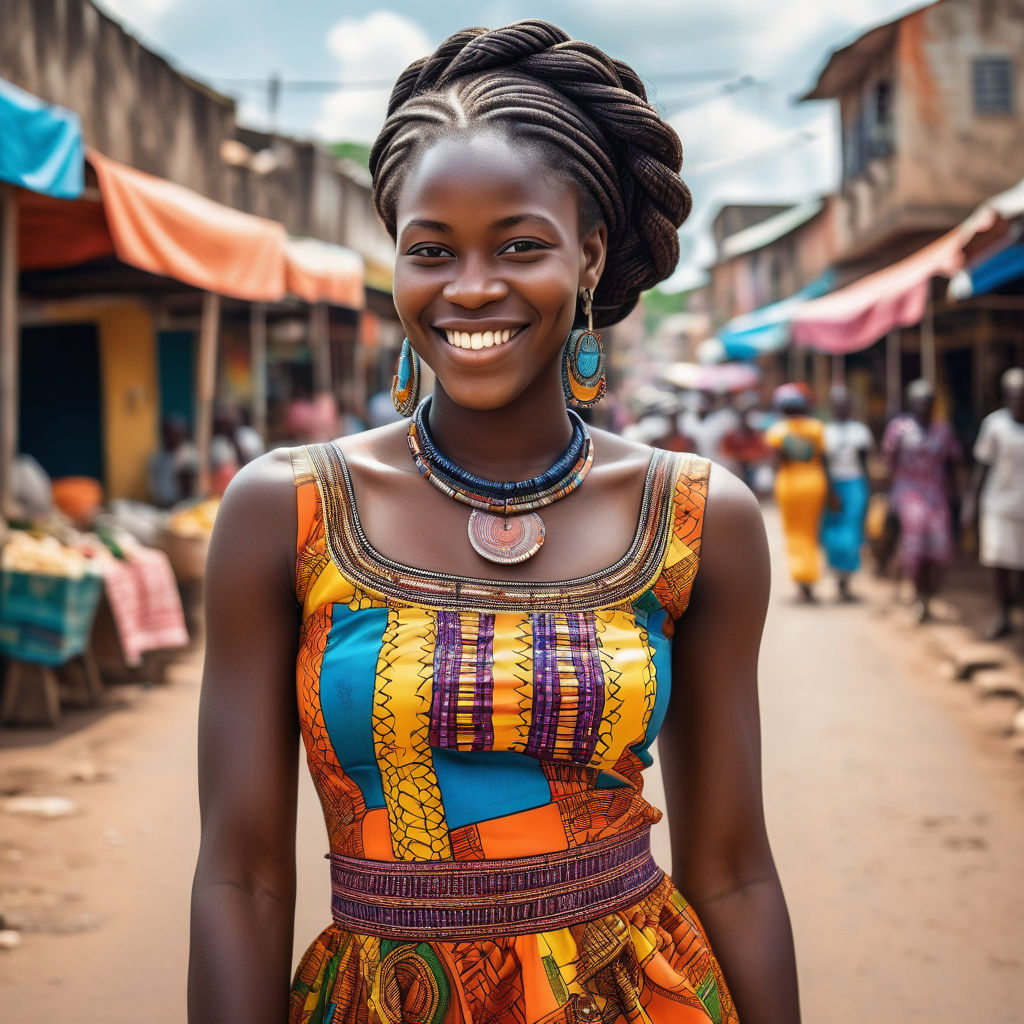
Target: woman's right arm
{"x":243,"y":894}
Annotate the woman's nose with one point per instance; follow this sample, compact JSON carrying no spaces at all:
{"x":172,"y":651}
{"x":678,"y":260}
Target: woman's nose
{"x":474,"y":284}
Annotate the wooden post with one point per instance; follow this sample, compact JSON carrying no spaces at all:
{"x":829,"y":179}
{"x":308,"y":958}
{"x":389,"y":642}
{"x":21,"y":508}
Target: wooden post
{"x":893,"y":373}
{"x":258,"y":337}
{"x":320,"y":344}
{"x":929,"y":365}
{"x":820,"y":379}
{"x":206,"y":385}
{"x":9,"y":341}
{"x":981,"y":364}
{"x":838,"y":371}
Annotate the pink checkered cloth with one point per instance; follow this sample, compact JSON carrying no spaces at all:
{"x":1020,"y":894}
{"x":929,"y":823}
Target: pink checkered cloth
{"x":144,"y":600}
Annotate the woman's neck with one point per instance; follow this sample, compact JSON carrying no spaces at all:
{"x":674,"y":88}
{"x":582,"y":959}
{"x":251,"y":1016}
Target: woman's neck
{"x":516,"y":442}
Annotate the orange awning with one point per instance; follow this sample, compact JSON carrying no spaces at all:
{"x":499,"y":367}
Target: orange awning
{"x":55,"y":233}
{"x":167,"y":229}
{"x":320,"y":272}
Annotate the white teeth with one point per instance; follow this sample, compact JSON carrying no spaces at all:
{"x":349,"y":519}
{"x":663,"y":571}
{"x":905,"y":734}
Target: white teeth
{"x":478,"y":339}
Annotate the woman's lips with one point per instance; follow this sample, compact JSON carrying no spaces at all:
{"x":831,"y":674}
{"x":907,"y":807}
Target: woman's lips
{"x":478,"y":339}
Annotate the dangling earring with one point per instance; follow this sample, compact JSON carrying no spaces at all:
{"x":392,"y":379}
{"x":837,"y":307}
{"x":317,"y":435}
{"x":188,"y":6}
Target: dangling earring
{"x":583,"y":377}
{"x":405,"y":388}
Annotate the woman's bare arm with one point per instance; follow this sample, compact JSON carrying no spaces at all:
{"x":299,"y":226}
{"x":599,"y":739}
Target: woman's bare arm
{"x":243,"y":894}
{"x":710,"y":753}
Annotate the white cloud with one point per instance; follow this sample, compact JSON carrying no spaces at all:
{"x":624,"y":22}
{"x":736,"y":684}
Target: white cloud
{"x":377,"y":47}
{"x":142,"y":16}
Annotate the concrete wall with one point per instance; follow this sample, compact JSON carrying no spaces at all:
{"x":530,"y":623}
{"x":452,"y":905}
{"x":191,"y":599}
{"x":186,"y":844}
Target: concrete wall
{"x":134,"y":106}
{"x":950,"y":156}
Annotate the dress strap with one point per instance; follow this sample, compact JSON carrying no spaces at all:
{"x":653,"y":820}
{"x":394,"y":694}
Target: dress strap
{"x":310,"y":539}
{"x":674,"y":584}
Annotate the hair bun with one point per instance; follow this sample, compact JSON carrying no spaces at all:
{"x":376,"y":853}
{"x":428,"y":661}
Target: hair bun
{"x":587,"y":108}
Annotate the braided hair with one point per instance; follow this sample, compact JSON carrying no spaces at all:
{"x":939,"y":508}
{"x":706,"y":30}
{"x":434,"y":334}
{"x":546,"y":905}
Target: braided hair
{"x":585,"y":111}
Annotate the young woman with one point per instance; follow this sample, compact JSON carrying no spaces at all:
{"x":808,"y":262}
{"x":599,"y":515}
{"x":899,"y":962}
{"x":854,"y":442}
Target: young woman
{"x":801,"y":483}
{"x":921,"y":453}
{"x":847,"y":447}
{"x":478,"y":690}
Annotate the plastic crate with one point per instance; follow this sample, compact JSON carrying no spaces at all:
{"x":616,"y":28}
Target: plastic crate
{"x":46,"y":619}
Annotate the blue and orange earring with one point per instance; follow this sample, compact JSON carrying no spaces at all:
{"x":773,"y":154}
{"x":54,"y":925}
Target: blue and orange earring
{"x":405,"y":387}
{"x":583,"y":376}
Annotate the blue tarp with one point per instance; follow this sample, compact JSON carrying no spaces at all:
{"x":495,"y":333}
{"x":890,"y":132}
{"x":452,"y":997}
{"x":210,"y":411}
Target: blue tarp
{"x":767,"y":329}
{"x":998,"y":270}
{"x":40,"y":145}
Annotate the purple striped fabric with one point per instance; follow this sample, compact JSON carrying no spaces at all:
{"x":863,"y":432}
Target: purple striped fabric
{"x":483,"y":696}
{"x":463,"y":683}
{"x":447,"y":663}
{"x":586,"y":661}
{"x":546,"y":690}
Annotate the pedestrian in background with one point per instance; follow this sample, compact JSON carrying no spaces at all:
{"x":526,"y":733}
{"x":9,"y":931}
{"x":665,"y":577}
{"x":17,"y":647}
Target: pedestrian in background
{"x":801,"y":483}
{"x":998,"y":478}
{"x":847,"y":445}
{"x":173,"y":471}
{"x":921,"y":454}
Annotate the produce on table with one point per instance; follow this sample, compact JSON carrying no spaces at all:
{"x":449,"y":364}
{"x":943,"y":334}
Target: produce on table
{"x":196,"y":521}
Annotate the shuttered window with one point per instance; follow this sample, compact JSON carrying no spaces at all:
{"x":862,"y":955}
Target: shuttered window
{"x":993,"y":85}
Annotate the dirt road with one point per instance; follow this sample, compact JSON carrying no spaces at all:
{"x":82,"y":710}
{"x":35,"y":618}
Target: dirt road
{"x":896,"y":814}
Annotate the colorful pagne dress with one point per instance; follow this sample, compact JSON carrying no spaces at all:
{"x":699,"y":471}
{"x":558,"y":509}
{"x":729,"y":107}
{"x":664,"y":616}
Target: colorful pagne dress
{"x":478,"y":750}
{"x":801,"y":488}
{"x":917,"y":457}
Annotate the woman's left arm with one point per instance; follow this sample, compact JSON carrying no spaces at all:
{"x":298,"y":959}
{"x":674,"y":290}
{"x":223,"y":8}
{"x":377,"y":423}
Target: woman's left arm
{"x":710,"y":752}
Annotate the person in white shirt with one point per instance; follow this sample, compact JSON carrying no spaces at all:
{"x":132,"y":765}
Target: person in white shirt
{"x":847,"y":444}
{"x":999,"y":481}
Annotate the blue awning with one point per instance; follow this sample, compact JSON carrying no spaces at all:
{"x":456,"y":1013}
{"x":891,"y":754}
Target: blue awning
{"x":767,"y":329}
{"x":41,"y":146}
{"x":1005,"y":266}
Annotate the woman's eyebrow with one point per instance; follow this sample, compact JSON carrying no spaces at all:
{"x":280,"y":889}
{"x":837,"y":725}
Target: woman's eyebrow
{"x":429,"y":225}
{"x":516,"y":220}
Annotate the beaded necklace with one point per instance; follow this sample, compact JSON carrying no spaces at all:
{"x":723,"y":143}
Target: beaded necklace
{"x":504,"y":526}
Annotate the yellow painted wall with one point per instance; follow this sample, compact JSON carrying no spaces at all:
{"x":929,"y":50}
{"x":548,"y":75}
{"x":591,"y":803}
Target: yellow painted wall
{"x":131,"y":395}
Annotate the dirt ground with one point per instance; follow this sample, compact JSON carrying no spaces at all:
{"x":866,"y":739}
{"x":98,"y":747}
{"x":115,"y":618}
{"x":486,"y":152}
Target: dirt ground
{"x":894,"y":803}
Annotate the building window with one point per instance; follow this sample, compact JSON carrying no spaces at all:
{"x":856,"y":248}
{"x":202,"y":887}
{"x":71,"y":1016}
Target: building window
{"x":993,"y":85}
{"x":880,"y":128}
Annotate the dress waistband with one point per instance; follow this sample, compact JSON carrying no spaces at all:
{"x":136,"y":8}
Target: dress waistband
{"x":486,"y":898}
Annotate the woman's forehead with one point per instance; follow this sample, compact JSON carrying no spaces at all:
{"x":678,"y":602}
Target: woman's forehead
{"x":483,"y":176}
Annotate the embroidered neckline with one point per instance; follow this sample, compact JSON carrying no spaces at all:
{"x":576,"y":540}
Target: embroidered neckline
{"x":355,"y":557}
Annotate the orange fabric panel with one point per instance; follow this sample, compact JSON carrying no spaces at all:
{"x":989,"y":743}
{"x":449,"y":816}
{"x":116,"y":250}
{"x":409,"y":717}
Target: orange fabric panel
{"x":167,"y":229}
{"x":56,"y":233}
{"x":522,"y":834}
{"x":377,"y":835}
{"x":319,"y":272}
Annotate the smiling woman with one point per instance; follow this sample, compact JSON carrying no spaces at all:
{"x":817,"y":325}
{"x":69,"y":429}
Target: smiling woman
{"x":478,"y":712}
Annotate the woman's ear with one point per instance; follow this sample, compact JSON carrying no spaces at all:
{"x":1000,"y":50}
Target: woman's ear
{"x":593,"y":251}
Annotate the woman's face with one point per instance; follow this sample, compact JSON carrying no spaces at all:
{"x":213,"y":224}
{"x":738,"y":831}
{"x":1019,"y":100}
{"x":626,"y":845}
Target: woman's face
{"x":489,"y":266}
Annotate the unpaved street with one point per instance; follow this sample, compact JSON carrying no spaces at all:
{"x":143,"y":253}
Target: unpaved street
{"x":895,"y":809}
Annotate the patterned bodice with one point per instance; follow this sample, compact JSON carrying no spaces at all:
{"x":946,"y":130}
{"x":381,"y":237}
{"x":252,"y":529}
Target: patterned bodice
{"x":446,"y":717}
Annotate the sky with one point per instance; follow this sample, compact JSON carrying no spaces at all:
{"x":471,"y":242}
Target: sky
{"x":726,"y":74}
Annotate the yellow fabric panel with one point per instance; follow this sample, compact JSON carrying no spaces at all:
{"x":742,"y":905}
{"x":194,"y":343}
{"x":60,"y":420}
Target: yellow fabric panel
{"x":628,"y":677}
{"x":401,"y":731}
{"x":331,"y":587}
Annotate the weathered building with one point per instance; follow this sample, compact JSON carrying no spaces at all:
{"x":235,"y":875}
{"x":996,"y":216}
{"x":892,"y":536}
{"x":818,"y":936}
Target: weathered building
{"x":772,"y":259}
{"x":932,"y":113}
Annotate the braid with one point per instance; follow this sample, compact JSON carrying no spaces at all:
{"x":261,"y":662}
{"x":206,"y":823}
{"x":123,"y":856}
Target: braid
{"x":588,"y":113}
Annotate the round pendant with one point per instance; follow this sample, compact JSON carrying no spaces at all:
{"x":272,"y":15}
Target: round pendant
{"x":505,"y":539}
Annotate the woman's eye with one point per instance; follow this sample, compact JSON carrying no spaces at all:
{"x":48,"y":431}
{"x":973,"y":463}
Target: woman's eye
{"x":523,"y":245}
{"x":430,"y":251}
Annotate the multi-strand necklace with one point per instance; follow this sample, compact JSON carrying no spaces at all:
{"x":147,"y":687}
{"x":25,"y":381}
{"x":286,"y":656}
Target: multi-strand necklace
{"x":504,"y":526}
